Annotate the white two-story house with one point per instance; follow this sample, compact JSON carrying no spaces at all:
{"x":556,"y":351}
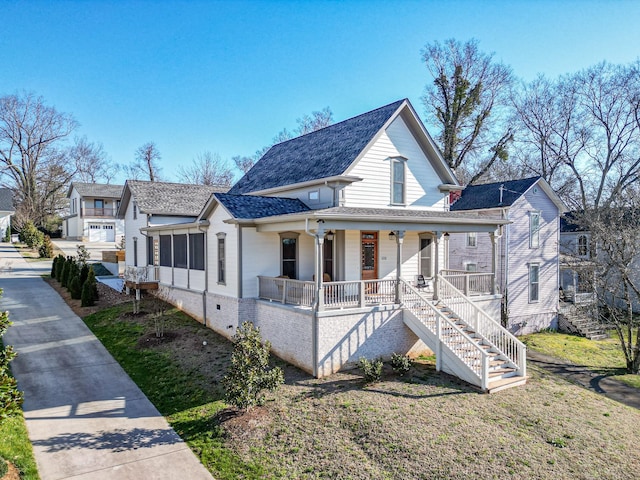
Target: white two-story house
{"x":92,"y":213}
{"x":323,"y":244}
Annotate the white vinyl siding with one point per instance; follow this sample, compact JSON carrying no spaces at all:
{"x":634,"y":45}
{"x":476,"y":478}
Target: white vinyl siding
{"x":534,"y":229}
{"x":421,"y":180}
{"x":472,"y":239}
{"x":534,"y":283}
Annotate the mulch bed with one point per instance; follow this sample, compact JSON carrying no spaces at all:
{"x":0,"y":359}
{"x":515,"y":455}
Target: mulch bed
{"x":107,"y":297}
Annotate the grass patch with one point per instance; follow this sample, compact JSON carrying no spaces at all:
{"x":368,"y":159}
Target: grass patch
{"x":32,"y":255}
{"x":600,"y":356}
{"x":16,"y":448}
{"x":189,"y":401}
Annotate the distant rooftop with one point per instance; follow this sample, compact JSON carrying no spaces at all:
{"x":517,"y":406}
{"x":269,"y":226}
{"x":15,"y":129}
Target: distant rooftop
{"x":6,"y":200}
{"x":489,"y":195}
{"x":97,"y":189}
{"x":161,"y":198}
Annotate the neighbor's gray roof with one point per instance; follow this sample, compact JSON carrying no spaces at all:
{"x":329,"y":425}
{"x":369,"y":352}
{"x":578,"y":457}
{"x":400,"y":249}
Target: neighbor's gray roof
{"x":97,"y":190}
{"x":327,"y":152}
{"x":488,"y":195}
{"x":6,"y":200}
{"x":160,"y":198}
{"x":254,"y":206}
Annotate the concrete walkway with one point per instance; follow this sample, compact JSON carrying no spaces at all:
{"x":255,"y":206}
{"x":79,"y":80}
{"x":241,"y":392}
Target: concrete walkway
{"x":85,"y":416}
{"x":593,"y":381}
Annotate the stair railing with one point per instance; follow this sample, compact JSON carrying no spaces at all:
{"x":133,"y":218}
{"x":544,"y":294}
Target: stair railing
{"x":494,"y":333}
{"x":457,"y":340}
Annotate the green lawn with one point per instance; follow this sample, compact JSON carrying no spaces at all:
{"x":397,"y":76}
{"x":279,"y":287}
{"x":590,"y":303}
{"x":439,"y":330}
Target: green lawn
{"x":16,"y":448}
{"x":602,"y":356}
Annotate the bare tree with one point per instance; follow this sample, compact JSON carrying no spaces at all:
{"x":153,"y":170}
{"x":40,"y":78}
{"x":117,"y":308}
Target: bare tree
{"x":306,"y":124}
{"x":583,"y":130}
{"x":207,"y":169}
{"x":465,"y":99}
{"x":614,"y":229}
{"x":92,"y":164}
{"x":146,"y":163}
{"x":34,"y":155}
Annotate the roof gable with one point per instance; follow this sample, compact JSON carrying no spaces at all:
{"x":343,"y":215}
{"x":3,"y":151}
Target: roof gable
{"x":6,"y":200}
{"x":100,"y":190}
{"x":489,"y":195}
{"x":327,"y":152}
{"x":162,"y":198}
{"x":254,"y":206}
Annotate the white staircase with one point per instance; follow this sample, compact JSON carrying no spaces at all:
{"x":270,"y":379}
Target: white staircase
{"x":467,"y":342}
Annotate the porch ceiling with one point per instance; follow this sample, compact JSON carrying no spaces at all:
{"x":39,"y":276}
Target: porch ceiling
{"x":351,"y":218}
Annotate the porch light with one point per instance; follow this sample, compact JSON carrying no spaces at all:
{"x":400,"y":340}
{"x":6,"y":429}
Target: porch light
{"x":392,"y":235}
{"x":446,"y":234}
{"x":329,"y":236}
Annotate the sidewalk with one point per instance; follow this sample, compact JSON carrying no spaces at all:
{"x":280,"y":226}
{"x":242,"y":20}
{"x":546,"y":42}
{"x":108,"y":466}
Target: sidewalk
{"x":86,"y":418}
{"x":577,"y":374}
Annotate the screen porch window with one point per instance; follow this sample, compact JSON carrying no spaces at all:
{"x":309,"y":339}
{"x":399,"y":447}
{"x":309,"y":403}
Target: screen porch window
{"x":180,"y":251}
{"x":327,"y":255}
{"x":149,"y":250}
{"x":196,"y":251}
{"x":534,"y":283}
{"x":534,"y":229}
{"x":289,"y":255}
{"x":425,"y":257}
{"x":165,"y":250}
{"x":398,"y":167}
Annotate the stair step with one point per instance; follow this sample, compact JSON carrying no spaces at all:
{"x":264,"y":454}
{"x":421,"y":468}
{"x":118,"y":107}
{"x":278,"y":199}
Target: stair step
{"x":504,"y":383}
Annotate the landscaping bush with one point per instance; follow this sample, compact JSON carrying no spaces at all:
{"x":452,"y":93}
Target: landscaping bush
{"x":62,"y":260}
{"x":74,"y":272}
{"x":371,"y":369}
{"x":10,"y":397}
{"x":249,"y":374}
{"x":401,"y":364}
{"x":7,"y":235}
{"x":53,"y":267}
{"x":84,"y":274}
{"x":89,"y":293}
{"x":75,"y":288}
{"x":4,"y":468}
{"x":31,"y":235}
{"x":46,"y":249}
{"x":83,"y":254}
{"x":64,"y":277}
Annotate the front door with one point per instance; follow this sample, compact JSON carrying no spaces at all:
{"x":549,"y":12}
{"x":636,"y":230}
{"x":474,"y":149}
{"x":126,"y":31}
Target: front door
{"x":369,"y":255}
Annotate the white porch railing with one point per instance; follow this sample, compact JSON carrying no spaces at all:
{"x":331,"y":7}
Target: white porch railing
{"x":498,"y":336}
{"x":469,"y":283}
{"x":350,"y":294}
{"x":148,"y":273}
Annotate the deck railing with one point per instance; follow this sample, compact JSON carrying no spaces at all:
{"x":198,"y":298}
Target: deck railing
{"x":349,"y":294}
{"x":148,"y":273}
{"x":482,"y":323}
{"x":98,"y":212}
{"x":470,"y":283}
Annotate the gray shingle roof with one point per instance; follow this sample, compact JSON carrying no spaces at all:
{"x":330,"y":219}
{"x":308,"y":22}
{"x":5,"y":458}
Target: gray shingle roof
{"x":6,"y":200}
{"x":97,"y":190}
{"x":254,"y":206}
{"x":324,"y":153}
{"x":488,"y":195}
{"x":162,"y":198}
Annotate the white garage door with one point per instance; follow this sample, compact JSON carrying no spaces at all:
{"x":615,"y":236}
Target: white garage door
{"x":102,"y":232}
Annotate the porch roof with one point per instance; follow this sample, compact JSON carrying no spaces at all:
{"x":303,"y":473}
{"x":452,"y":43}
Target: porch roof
{"x":354,"y":218}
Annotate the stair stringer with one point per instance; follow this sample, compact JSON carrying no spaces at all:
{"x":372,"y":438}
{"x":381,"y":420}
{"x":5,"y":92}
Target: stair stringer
{"x":449,"y":361}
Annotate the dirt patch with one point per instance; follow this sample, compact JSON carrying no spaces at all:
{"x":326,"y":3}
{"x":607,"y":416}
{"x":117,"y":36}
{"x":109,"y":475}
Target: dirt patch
{"x":243,"y":427}
{"x":151,"y":340}
{"x":12,"y":473}
{"x":107,"y":297}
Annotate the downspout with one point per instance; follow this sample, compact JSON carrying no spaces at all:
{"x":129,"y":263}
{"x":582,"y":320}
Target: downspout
{"x":315,"y":327}
{"x":206,"y":277}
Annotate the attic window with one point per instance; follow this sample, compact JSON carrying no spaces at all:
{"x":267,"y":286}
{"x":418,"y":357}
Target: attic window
{"x":398,"y":194}
{"x":314,"y":196}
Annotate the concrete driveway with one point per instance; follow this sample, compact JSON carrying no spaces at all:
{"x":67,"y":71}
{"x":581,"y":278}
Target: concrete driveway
{"x":85,"y":416}
{"x":70,"y":247}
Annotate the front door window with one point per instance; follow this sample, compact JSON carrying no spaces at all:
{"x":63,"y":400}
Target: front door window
{"x":369,"y":255}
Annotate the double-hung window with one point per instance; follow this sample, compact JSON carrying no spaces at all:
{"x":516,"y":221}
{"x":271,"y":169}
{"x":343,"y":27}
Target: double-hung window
{"x":398,"y":184}
{"x":221,"y":258}
{"x":534,"y":229}
{"x":534,"y":282}
{"x":472,"y":239}
{"x":289,"y":254}
{"x":583,"y":245}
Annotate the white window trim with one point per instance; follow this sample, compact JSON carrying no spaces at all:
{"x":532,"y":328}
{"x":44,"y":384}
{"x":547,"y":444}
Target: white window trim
{"x":222,"y":236}
{"x":467,"y":264}
{"x":536,"y":265}
{"x":403,"y":162}
{"x":534,"y":235}
{"x":314,"y":196}
{"x":426,"y":236}
{"x":474,"y":236}
{"x":295,"y":236}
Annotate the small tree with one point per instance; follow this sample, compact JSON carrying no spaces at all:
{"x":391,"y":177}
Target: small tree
{"x":249,"y":374}
{"x":46,"y":249}
{"x":53,"y":267}
{"x":73,"y":273}
{"x":84,"y":274}
{"x":371,"y":369}
{"x":75,"y":288}
{"x":83,"y":254}
{"x":66,"y":268}
{"x":89,"y":293}
{"x":31,"y":235}
{"x":10,"y":397}
{"x":62,"y":260}
{"x":7,"y":234}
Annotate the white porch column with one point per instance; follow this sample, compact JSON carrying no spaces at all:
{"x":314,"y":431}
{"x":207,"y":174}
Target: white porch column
{"x":318,"y":269}
{"x":436,"y":263}
{"x":399,"y":234}
{"x":494,"y":261}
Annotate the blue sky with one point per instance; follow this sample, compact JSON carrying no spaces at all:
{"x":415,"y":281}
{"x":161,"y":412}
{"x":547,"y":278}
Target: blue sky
{"x":228,"y":76}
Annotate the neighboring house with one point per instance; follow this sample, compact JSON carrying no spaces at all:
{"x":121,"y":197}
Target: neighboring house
{"x":92,"y":213}
{"x":6,"y":210}
{"x":576,"y":267}
{"x":324,"y":244}
{"x":528,"y":245}
{"x":145,"y":204}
